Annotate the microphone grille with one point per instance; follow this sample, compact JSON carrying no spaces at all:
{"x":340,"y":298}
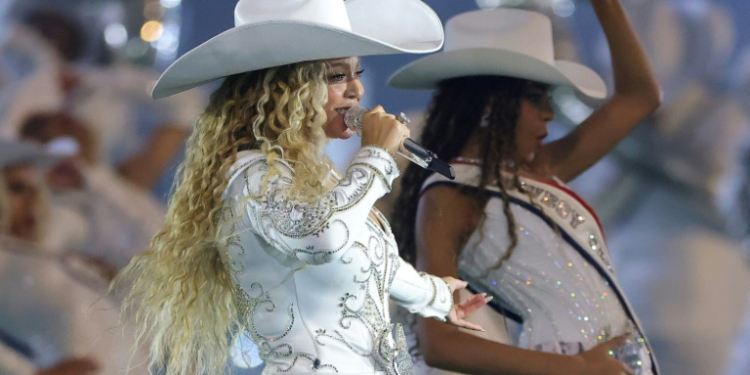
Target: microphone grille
{"x":353,"y":117}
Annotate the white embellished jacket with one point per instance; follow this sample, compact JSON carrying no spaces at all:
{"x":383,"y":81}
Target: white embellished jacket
{"x":313,"y":280}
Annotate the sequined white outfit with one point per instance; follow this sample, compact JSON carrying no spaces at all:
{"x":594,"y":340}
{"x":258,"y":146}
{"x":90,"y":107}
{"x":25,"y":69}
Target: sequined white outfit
{"x":558,"y":283}
{"x":314,"y":279}
{"x":54,"y":308}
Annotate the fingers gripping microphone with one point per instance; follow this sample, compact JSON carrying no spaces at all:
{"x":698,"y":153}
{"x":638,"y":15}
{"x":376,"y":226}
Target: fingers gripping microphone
{"x":409,"y":149}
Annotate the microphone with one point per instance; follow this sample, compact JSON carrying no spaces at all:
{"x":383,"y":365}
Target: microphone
{"x":409,"y":149}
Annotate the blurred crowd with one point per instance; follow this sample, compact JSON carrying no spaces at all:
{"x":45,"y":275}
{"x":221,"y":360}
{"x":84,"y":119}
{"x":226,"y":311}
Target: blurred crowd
{"x":82,"y":150}
{"x":674,"y":196}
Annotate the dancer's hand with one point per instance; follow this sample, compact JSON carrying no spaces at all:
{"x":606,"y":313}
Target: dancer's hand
{"x":383,"y":130}
{"x":599,"y":360}
{"x":463,"y":309}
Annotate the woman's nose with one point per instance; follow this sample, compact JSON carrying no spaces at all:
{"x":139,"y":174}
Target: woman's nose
{"x":355,"y":89}
{"x":548,"y":113}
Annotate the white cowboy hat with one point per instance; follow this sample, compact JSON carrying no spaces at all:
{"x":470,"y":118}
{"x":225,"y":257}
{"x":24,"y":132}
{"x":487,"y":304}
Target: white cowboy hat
{"x":278,"y":32}
{"x":505,"y":42}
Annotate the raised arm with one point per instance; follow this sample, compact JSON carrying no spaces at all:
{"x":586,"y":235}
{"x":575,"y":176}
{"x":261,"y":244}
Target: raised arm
{"x":444,"y":219}
{"x":145,"y":167}
{"x":636,"y":95}
{"x":173,"y":119}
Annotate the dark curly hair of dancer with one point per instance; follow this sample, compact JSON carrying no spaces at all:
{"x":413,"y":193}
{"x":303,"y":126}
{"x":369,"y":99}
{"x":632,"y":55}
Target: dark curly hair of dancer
{"x":458,"y":108}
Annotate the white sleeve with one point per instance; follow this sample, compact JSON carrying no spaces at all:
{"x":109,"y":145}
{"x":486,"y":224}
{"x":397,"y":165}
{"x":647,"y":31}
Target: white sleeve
{"x":317,"y":232}
{"x":421,"y":293}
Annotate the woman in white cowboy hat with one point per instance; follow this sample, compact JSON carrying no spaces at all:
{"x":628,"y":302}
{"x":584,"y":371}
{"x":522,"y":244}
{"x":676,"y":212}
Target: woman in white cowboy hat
{"x":508,"y":224}
{"x":262,"y":235}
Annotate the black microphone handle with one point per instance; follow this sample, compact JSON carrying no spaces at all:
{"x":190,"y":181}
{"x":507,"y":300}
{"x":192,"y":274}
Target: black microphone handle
{"x":416,"y":149}
{"x":433,"y":163}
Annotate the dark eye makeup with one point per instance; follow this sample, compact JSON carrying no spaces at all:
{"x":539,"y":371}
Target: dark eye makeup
{"x":341,"y":77}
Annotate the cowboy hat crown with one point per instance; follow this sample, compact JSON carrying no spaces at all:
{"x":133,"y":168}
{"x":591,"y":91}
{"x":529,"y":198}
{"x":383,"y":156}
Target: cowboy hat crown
{"x":271,"y":33}
{"x":505,"y":42}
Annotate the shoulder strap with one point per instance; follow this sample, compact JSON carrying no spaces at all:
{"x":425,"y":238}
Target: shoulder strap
{"x":466,"y":176}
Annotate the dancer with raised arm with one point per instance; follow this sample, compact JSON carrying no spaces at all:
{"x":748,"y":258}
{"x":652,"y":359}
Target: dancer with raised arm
{"x":508,"y":223}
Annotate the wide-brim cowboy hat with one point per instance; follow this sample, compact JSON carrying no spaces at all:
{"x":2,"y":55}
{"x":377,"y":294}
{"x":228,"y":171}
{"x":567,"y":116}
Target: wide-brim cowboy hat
{"x":271,"y":33}
{"x":502,"y":42}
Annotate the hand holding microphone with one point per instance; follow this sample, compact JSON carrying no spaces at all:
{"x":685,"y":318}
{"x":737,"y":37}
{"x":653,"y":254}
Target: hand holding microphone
{"x":378,"y":128}
{"x":381,"y":130}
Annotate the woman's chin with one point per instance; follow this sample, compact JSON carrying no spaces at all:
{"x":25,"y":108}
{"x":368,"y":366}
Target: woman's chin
{"x":337,"y":129}
{"x":347,"y":134}
{"x":343,"y":134}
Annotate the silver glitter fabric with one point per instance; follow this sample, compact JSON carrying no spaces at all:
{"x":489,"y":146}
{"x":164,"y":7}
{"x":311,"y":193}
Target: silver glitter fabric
{"x":313,"y":279}
{"x":559,"y":279}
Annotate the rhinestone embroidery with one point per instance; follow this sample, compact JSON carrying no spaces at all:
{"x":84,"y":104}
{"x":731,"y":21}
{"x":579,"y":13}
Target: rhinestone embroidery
{"x":560,"y":206}
{"x":564,"y":303}
{"x":274,"y":217}
{"x":301,"y":219}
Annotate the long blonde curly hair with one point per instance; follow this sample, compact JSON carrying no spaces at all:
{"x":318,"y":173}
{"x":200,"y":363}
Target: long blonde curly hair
{"x":178,"y":293}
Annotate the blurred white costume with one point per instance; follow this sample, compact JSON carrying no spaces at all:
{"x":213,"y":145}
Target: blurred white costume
{"x":27,"y":63}
{"x":113,"y":101}
{"x":673,"y":252}
{"x":108,"y":219}
{"x":314,"y":279}
{"x":54,"y":309}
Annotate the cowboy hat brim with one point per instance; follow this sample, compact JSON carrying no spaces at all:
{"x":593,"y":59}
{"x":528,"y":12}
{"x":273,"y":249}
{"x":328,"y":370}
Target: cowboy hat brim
{"x":273,"y":43}
{"x":428,"y":71}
